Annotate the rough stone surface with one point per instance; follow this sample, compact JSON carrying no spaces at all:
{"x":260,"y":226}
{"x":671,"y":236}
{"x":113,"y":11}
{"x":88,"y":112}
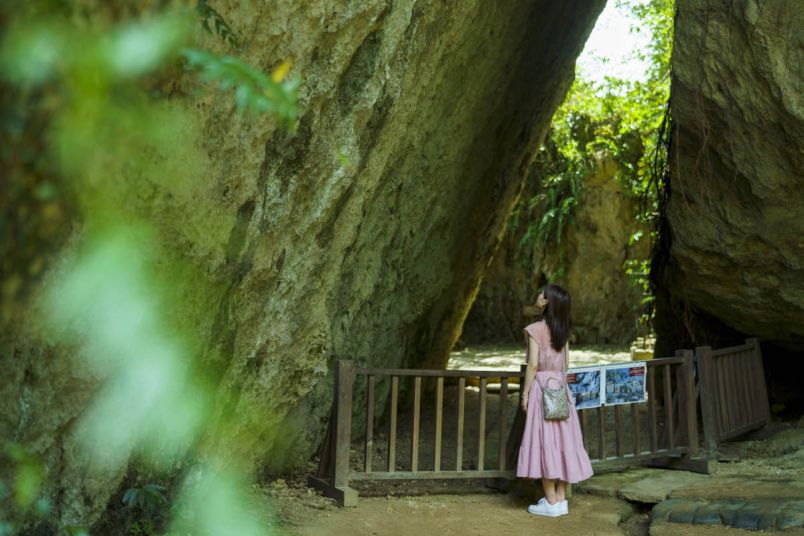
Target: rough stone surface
{"x":706,"y":515}
{"x":763,"y":490}
{"x":757,"y":514}
{"x":301,"y":256}
{"x":609,"y":484}
{"x":683,"y":513}
{"x":791,"y":515}
{"x":645,"y":485}
{"x":736,"y":204}
{"x":727,"y":511}
{"x":657,"y":488}
{"x":588,"y":262}
{"x":743,"y":487}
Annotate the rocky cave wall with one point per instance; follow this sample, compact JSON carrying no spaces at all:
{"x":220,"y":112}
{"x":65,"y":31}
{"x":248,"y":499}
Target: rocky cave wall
{"x":734,"y":263}
{"x":376,"y":257}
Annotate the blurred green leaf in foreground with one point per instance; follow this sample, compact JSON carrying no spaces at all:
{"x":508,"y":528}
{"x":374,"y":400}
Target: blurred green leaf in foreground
{"x":88,"y":95}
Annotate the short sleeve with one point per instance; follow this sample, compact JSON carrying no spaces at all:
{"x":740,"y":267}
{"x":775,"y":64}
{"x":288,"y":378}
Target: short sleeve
{"x":531,"y":330}
{"x":527,"y":333}
{"x":537,"y":331}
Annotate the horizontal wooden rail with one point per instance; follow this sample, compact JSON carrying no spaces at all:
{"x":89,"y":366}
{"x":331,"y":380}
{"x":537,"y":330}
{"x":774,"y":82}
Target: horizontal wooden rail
{"x":660,"y":361}
{"x":440,"y":373}
{"x":397,"y":475}
{"x":644,"y":455}
{"x":732,"y":350}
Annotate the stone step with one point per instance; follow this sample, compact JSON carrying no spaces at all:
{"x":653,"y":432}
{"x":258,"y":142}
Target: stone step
{"x":762,"y":514}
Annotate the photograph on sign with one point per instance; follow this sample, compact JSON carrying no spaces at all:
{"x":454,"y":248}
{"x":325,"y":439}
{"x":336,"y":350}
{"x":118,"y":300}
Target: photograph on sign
{"x":584,"y":384}
{"x":624,"y":383}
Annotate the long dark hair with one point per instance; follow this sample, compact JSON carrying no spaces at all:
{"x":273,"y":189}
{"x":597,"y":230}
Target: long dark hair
{"x":557,"y":315}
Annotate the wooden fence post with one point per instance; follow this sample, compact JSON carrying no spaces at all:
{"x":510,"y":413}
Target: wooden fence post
{"x":325,"y":452}
{"x":335,"y":451}
{"x":344,"y":381}
{"x":761,"y":388}
{"x":707,"y":391}
{"x":679,"y":401}
{"x":517,"y":427}
{"x":691,"y":405}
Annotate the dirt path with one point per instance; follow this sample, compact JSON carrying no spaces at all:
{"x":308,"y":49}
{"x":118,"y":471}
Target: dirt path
{"x":465,"y":515}
{"x":769,"y":467}
{"x":479,"y":514}
{"x":446,"y":515}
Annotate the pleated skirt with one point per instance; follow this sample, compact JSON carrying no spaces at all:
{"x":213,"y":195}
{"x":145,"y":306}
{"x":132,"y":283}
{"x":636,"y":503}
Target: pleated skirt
{"x":552,"y":449}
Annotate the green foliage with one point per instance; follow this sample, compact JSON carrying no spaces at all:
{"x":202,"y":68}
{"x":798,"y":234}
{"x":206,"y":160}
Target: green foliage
{"x":618,"y":119}
{"x":561,"y":192}
{"x":75,"y":530}
{"x":556,"y":182}
{"x":208,"y":15}
{"x":254,"y":91}
{"x":110,"y":139}
{"x":638,"y":272}
{"x":146,"y":510}
{"x":51,"y":49}
{"x":217,"y":501}
{"x":147,"y":498}
{"x":21,"y":481}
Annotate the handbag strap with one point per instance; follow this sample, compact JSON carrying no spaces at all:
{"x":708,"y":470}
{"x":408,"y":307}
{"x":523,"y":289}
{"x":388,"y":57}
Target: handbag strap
{"x":547,"y":383}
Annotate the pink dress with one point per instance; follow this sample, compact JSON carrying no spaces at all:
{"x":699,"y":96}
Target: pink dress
{"x":550,"y":449}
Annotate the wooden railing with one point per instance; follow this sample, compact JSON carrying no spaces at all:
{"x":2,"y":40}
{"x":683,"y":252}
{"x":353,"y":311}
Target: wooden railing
{"x":438,"y":471}
{"x":734,"y":398}
{"x":334,"y":474}
{"x":679,"y":433}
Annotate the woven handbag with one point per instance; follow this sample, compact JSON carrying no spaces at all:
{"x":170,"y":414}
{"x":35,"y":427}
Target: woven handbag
{"x":555,"y":401}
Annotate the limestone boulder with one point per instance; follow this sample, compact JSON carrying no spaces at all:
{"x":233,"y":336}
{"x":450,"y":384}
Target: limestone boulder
{"x":736,"y":196}
{"x":362,"y":235}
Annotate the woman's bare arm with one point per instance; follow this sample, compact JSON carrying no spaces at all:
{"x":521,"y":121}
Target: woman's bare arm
{"x":566,"y":357}
{"x":530,"y":371}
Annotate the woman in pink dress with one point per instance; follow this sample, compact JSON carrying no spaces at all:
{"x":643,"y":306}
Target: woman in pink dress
{"x":551,"y":449}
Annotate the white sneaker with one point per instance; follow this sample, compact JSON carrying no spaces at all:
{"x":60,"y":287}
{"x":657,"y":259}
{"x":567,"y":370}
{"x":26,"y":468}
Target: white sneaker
{"x":544,"y":508}
{"x":564,"y":507}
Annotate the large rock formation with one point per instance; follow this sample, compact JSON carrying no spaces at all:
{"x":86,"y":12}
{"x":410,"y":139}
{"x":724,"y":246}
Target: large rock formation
{"x":361,"y":235}
{"x":588,"y":262}
{"x":736,"y":203}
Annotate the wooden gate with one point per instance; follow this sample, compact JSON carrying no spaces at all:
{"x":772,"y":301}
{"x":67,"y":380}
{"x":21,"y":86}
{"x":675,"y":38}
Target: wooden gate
{"x":335,"y":473}
{"x":734,"y":398}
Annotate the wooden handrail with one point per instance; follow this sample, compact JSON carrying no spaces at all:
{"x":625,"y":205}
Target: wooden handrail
{"x":661,"y":361}
{"x":447,"y":373}
{"x":452,"y":373}
{"x":682,"y":392}
{"x":732,"y":350}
